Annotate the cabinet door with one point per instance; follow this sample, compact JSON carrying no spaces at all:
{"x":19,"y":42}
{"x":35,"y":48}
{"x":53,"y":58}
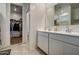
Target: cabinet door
{"x":55,"y":47}
{"x":70,"y":49}
{"x":43,"y":41}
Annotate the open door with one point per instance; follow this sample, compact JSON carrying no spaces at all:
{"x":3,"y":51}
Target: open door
{"x":15,"y":24}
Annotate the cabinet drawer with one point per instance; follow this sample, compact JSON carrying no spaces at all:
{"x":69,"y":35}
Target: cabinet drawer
{"x":65,"y":38}
{"x":44,"y":34}
{"x":72,"y":40}
{"x":56,"y":36}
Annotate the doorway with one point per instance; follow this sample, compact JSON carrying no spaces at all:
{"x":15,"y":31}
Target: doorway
{"x":15,"y":24}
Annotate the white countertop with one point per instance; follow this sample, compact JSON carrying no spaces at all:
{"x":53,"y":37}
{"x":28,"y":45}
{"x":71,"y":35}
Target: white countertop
{"x":62,"y":32}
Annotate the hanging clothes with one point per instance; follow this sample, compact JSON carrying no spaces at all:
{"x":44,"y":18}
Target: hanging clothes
{"x":10,"y":26}
{"x":16,"y":27}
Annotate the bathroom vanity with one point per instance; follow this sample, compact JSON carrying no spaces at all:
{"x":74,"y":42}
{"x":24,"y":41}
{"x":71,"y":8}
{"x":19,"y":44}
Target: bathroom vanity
{"x":58,"y":43}
{"x":64,"y":39}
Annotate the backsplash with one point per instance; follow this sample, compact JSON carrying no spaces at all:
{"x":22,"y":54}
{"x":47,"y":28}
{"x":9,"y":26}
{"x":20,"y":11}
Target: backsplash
{"x":61,"y":28}
{"x":74,"y":28}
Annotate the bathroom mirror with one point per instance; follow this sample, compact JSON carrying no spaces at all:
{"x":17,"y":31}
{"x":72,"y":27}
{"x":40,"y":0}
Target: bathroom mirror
{"x":62,"y":14}
{"x":74,"y":13}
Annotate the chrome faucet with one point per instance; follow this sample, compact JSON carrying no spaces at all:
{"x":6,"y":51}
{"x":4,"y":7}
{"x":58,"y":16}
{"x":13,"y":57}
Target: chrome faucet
{"x":67,"y":29}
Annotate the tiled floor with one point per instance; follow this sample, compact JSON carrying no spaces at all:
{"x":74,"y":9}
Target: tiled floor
{"x":23,"y":49}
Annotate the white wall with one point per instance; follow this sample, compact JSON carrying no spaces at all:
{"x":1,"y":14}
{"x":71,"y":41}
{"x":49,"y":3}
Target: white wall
{"x":5,"y":29}
{"x":7,"y":24}
{"x":28,"y":24}
{"x":37,"y":20}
